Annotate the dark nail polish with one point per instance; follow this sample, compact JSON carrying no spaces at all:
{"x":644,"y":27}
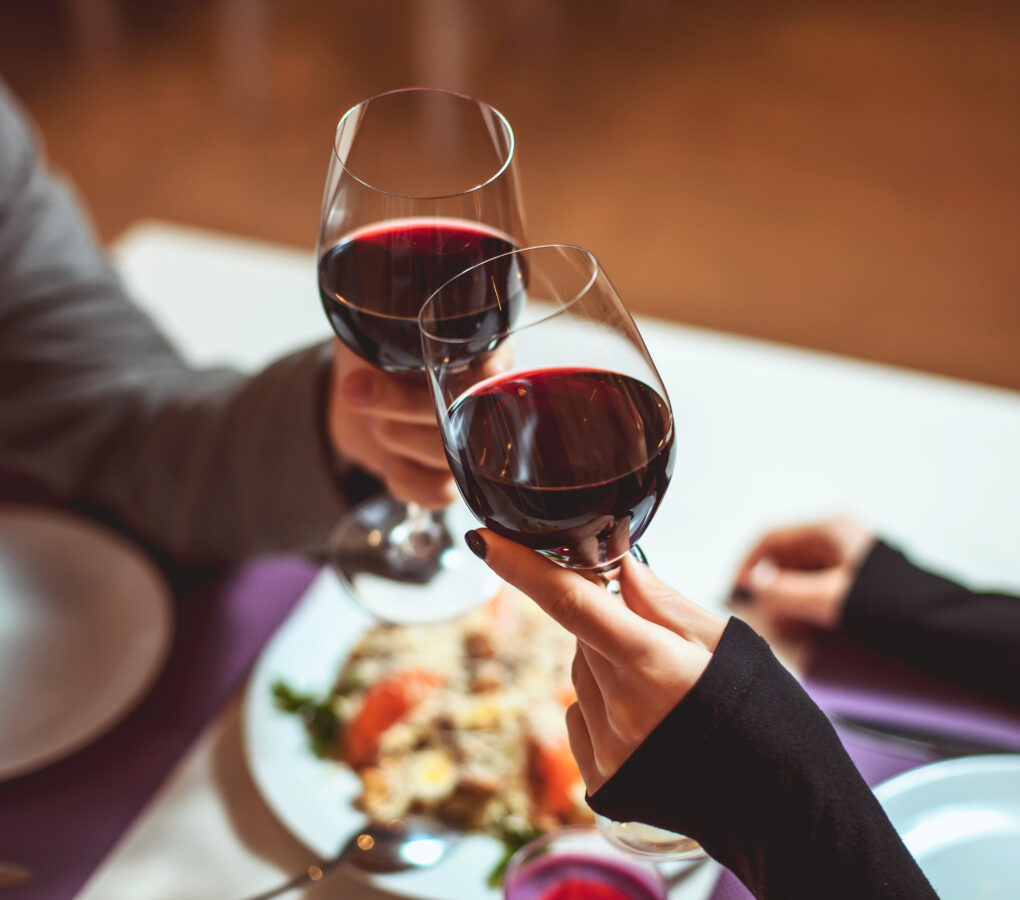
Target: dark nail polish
{"x":476,"y":543}
{"x":741,"y":595}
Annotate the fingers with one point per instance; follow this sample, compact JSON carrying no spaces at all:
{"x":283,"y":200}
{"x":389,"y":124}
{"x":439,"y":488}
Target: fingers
{"x":656,"y":601}
{"x":413,"y":483}
{"x":604,"y":748}
{"x":582,"y":749}
{"x":814,"y":597}
{"x":381,"y":395}
{"x":589,"y":694}
{"x":584,"y":609}
{"x":811,"y":546}
{"x":420,"y":443}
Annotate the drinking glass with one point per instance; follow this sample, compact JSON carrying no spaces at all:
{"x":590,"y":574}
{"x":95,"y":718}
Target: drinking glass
{"x":575,"y":862}
{"x":421,"y":185}
{"x":559,"y":431}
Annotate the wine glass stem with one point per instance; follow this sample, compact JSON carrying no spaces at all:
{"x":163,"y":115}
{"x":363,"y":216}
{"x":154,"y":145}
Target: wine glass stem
{"x":419,"y":535}
{"x":610,"y":578}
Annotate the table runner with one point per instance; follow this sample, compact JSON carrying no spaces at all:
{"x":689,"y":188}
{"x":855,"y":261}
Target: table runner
{"x":62,"y":820}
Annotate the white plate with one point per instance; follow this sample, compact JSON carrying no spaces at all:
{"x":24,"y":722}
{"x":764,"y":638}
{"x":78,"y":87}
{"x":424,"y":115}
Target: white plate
{"x":85,"y":626}
{"x":314,"y":798}
{"x":961,"y":821}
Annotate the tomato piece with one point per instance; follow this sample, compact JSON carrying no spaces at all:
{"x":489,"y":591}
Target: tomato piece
{"x":554,"y":773}
{"x":565,"y":695}
{"x":385,"y":703}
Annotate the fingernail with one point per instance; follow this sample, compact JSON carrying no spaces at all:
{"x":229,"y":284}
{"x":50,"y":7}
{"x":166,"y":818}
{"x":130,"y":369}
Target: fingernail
{"x":762,"y":576}
{"x":476,"y":543}
{"x":359,"y":388}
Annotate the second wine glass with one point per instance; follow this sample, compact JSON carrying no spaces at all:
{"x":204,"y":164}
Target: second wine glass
{"x":421,"y":185}
{"x":560,"y":434}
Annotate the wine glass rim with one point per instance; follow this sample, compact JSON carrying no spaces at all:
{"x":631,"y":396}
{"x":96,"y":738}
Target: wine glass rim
{"x":511,"y":141}
{"x":559,"y":310}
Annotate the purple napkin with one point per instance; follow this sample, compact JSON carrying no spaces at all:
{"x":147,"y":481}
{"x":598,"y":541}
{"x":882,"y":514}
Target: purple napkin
{"x":63,"y":820}
{"x":853,"y":682}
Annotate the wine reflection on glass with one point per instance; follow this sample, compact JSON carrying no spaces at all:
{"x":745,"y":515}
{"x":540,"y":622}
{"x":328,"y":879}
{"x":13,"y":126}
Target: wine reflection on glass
{"x":421,"y":185}
{"x":560,"y":434}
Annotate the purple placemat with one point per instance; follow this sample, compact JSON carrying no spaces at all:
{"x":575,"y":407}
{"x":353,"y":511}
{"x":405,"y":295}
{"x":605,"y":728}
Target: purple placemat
{"x":62,"y":820}
{"x":851,"y":681}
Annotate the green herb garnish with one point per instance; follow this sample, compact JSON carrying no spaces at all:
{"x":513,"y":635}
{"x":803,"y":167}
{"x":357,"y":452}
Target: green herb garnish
{"x":319,"y":717}
{"x":513,"y":839}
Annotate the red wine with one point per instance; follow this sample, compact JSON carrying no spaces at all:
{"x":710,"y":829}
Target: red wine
{"x":374,"y":282}
{"x":569,"y":461}
{"x":573,"y":876}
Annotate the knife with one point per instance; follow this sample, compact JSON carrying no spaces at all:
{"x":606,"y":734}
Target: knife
{"x":920,"y":738}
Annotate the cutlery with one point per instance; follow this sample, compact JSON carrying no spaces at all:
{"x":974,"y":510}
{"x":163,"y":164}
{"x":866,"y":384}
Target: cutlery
{"x":414,"y":842}
{"x":13,"y":874}
{"x":919,"y":738}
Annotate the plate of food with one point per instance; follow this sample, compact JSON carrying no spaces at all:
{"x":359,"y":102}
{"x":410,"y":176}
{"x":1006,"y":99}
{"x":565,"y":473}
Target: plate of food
{"x":347,"y":719}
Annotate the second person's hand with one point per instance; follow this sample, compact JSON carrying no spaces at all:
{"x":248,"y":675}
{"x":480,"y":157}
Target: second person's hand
{"x":803,"y":574}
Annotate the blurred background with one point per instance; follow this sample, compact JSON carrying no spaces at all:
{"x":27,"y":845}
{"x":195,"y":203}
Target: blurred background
{"x":841,"y":176}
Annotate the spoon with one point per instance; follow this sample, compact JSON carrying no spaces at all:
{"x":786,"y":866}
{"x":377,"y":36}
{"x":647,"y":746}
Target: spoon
{"x":414,"y":842}
{"x":13,"y":875}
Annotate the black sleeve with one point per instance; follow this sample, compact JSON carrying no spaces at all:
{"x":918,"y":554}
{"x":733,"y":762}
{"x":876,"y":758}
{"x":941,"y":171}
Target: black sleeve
{"x":971,"y":639}
{"x":748,"y":766}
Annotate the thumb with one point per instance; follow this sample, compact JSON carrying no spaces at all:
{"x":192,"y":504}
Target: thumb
{"x":814,"y":597}
{"x":656,"y":601}
{"x":376,"y":393}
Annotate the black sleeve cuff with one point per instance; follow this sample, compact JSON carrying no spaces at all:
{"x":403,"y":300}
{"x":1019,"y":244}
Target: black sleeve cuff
{"x":889,"y":587}
{"x":749,"y":767}
{"x":968,"y":638}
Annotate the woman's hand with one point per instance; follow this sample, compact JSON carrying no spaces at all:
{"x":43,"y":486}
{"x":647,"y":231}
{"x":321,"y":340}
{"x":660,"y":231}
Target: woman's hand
{"x":386,"y":424}
{"x":803,"y":574}
{"x":636,"y":657}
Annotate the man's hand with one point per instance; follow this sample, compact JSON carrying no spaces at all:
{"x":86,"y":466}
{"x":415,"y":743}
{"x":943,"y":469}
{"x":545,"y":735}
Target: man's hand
{"x":386,"y":424}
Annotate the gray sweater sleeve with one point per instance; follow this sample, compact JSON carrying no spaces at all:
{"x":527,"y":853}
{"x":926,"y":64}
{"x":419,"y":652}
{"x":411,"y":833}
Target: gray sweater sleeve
{"x":98,"y":407}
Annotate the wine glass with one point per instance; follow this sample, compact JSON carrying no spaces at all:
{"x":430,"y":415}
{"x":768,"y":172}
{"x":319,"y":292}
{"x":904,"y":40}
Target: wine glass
{"x":421,"y":185}
{"x":559,"y":432}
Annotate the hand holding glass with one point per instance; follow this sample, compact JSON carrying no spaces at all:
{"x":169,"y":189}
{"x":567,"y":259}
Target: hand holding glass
{"x":421,"y":185}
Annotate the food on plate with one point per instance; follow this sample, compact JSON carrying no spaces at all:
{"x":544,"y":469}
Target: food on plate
{"x":463,"y":720}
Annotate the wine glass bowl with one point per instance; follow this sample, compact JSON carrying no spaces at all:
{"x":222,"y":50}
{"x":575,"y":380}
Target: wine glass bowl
{"x":566,"y":457}
{"x":421,"y":185}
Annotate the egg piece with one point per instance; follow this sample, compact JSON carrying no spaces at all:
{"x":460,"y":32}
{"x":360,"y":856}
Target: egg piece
{"x":432,"y":775}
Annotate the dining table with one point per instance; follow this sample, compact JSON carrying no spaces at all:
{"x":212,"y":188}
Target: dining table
{"x":165,"y":804}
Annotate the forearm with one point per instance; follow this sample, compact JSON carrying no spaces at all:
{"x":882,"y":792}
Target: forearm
{"x":96,"y":405}
{"x":748,"y":766}
{"x":970,"y":638}
{"x":205,"y":465}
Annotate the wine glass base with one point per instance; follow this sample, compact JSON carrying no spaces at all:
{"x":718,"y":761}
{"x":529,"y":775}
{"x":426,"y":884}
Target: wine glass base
{"x":403,"y":570}
{"x":647,"y":841}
